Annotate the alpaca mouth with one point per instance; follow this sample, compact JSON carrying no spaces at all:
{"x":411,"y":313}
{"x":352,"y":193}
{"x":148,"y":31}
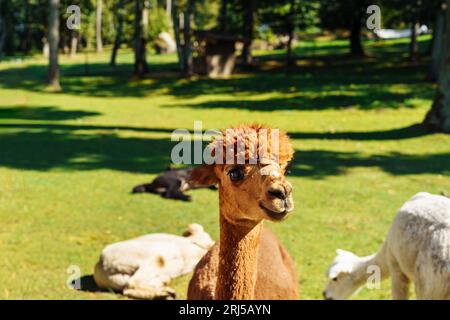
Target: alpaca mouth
{"x":275,"y":215}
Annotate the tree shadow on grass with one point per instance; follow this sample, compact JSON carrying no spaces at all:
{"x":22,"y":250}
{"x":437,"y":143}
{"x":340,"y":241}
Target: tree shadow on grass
{"x":60,"y":147}
{"x":322,"y":163}
{"x":412,"y":131}
{"x":367,"y":100}
{"x":75,"y":127}
{"x":43,"y":113}
{"x":100,"y":81}
{"x":45,"y":146}
{"x":321,"y":78}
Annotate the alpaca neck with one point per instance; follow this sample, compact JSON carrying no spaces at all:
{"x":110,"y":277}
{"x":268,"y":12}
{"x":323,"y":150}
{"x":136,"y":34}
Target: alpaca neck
{"x":238,"y":255}
{"x":367,"y":266}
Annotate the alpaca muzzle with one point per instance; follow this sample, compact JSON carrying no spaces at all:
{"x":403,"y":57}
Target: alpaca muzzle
{"x":278,"y":202}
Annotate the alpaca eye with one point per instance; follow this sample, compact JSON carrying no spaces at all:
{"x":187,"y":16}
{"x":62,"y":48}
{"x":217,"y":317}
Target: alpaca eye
{"x":334,"y":279}
{"x":236,"y":174}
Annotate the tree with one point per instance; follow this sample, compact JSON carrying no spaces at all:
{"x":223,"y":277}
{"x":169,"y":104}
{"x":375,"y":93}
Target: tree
{"x":53,"y":38}
{"x":25,"y":42}
{"x":187,"y":54}
{"x":145,"y":19}
{"x":98,"y":26}
{"x":249,"y":9}
{"x":183,"y":48}
{"x":302,"y":15}
{"x":169,"y":8}
{"x":291,"y":32}
{"x":2,"y":30}
{"x":288,"y":16}
{"x":438,"y":118}
{"x":413,"y":47}
{"x":356,"y":47}
{"x":413,"y":14}
{"x":349,"y":15}
{"x":140,"y":43}
{"x":436,"y":54}
{"x":222,"y":19}
{"x":73,"y":43}
{"x":176,"y":31}
{"x":118,"y":38}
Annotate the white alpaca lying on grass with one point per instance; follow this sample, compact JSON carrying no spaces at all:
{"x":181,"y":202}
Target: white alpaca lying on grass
{"x":142,"y":267}
{"x":417,"y":250}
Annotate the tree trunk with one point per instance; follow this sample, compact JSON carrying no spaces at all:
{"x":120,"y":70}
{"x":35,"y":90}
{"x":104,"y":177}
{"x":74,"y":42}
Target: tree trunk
{"x":74,"y":44}
{"x":140,"y":59}
{"x":2,"y":39}
{"x":118,"y":38}
{"x":356,"y":47}
{"x":9,"y":28}
{"x":436,"y":54}
{"x":222,"y":21}
{"x":430,"y":46}
{"x":291,"y":29}
{"x":145,"y":21}
{"x":2,"y":30}
{"x":98,"y":26}
{"x":45,"y":48}
{"x":63,"y":41}
{"x":187,"y":56}
{"x":25,"y":43}
{"x":413,"y":48}
{"x":438,"y":118}
{"x":289,"y":54}
{"x":169,"y":8}
{"x":249,"y":8}
{"x":176,"y":30}
{"x":53,"y":37}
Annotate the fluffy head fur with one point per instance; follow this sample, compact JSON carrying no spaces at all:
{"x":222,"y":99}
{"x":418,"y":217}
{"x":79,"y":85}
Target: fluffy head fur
{"x":254,"y":141}
{"x":342,"y":283}
{"x":343,"y":263}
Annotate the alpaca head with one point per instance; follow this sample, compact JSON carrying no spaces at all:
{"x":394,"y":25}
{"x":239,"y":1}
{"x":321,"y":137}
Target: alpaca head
{"x":250,"y":190}
{"x":342,"y":284}
{"x":197,"y":235}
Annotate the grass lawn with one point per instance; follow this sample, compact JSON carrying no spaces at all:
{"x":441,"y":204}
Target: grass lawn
{"x":69,"y":160}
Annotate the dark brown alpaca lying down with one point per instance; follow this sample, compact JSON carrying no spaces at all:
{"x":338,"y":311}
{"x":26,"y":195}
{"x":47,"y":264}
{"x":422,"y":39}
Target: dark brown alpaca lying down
{"x":172,"y":184}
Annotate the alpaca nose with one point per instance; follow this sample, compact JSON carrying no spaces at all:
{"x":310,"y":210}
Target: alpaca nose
{"x":278,"y":192}
{"x":324,"y":294}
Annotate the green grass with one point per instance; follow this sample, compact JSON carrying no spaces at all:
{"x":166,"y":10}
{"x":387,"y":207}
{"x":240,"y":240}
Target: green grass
{"x":69,"y":160}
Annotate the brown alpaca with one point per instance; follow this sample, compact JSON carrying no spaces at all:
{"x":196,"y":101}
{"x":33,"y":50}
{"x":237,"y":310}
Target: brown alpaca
{"x":248,"y":262}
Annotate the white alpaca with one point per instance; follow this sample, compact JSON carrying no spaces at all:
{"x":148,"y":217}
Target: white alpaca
{"x":417,"y":250}
{"x":142,"y":267}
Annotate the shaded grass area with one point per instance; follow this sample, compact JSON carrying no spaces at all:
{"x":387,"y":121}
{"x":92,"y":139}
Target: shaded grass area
{"x":48,"y":148}
{"x":90,"y":151}
{"x":68,"y":160}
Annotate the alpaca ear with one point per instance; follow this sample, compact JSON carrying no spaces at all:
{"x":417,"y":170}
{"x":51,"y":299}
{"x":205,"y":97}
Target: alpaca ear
{"x":344,"y":253}
{"x":203,"y":176}
{"x":339,"y":267}
{"x":195,"y":228}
